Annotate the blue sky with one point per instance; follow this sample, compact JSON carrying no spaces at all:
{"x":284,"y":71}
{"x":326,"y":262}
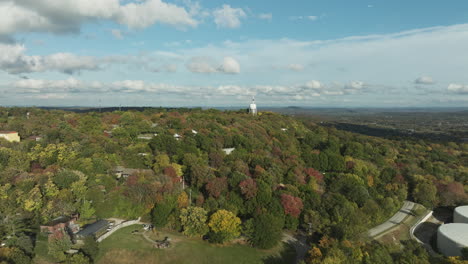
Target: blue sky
{"x":221,"y":53}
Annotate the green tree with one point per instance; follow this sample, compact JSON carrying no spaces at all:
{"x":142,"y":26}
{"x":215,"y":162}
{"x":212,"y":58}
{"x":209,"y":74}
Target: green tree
{"x":77,"y":258}
{"x":425,"y":193}
{"x":193,"y":221}
{"x":57,"y":248}
{"x":87,"y":210}
{"x":90,"y":248}
{"x":267,"y":230}
{"x":161,"y":212}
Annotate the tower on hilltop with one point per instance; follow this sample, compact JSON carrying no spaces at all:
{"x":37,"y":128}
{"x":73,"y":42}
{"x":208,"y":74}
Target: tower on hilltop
{"x":253,"y":107}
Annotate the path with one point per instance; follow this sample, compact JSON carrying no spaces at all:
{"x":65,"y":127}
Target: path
{"x":394,"y":221}
{"x":299,"y":243}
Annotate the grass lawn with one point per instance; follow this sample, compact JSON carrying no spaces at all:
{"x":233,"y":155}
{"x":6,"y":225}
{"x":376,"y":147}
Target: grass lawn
{"x":124,"y":247}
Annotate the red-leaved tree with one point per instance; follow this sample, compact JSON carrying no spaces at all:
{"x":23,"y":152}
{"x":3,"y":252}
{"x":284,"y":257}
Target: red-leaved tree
{"x":248,"y":188}
{"x":216,"y":186}
{"x":291,"y":205}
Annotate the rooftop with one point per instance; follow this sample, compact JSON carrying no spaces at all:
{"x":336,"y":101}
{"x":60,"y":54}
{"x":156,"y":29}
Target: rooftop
{"x":8,"y":132}
{"x":58,"y":220}
{"x":456,"y":232}
{"x":93,"y":228}
{"x":462,"y":210}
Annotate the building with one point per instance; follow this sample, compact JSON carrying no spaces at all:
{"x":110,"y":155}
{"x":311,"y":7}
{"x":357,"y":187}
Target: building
{"x":146,"y":136}
{"x":452,"y":238}
{"x":35,"y":138}
{"x":95,"y":229}
{"x":460,"y":215}
{"x":253,"y":107}
{"x":60,"y":226}
{"x":11,"y":136}
{"x":122,"y":172}
{"x":228,"y":151}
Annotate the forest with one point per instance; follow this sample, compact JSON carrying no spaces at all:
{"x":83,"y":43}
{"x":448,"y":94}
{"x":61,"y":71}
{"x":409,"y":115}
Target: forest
{"x":284,"y":174}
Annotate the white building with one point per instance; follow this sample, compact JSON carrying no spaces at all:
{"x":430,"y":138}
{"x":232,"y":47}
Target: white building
{"x":253,"y":108}
{"x":228,"y":151}
{"x":452,"y":238}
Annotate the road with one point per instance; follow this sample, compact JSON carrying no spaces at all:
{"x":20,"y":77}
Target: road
{"x":394,"y":221}
{"x":299,"y":243}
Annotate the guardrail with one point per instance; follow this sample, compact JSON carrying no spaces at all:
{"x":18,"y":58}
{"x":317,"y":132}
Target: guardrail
{"x":413,"y":228}
{"x":117,"y":227}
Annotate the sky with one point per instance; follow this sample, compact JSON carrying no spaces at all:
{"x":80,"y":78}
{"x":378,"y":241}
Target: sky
{"x":310,"y":53}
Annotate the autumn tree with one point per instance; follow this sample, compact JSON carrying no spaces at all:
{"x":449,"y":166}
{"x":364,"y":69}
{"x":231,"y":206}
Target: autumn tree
{"x":217,"y":186}
{"x":248,"y":188}
{"x":291,"y":205}
{"x":224,"y":226}
{"x":193,"y":221}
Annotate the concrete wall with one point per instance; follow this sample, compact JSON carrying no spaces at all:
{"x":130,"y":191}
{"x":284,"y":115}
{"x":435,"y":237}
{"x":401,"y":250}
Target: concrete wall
{"x":117,"y":227}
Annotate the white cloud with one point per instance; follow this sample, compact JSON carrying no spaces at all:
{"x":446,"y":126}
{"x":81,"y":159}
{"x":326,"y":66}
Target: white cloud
{"x":59,"y":16}
{"x":201,"y":65}
{"x":228,"y":17}
{"x":117,"y":33}
{"x":144,"y":14}
{"x":266,"y":16}
{"x":230,"y":65}
{"x":13,"y":60}
{"x":306,"y":91}
{"x":37,"y":86}
{"x":296,"y":67}
{"x":311,"y":18}
{"x":313,"y":85}
{"x":458,"y":88}
{"x":355,"y":85}
{"x":424,"y":80}
{"x":208,"y":65}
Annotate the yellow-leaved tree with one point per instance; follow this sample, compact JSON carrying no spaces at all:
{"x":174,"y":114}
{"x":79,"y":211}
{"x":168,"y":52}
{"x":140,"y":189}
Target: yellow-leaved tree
{"x":224,"y":226}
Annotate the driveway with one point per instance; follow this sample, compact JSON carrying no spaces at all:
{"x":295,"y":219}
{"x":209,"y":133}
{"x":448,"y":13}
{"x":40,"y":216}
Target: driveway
{"x":394,"y":221}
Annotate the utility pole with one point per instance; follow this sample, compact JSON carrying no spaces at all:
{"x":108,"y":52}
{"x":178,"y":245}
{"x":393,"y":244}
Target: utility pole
{"x":190,"y":196}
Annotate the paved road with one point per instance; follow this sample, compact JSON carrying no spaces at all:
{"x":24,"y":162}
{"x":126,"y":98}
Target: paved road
{"x":299,"y":243}
{"x":395,"y":220}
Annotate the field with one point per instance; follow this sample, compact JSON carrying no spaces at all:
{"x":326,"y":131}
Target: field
{"x":125,"y":247}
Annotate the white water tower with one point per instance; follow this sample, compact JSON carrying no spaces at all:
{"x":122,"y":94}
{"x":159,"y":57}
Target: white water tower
{"x":253,"y":107}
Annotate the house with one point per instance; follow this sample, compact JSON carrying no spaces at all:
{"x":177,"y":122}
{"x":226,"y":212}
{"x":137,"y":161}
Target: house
{"x":194,"y":132}
{"x":146,"y":136}
{"x":228,"y":151}
{"x":95,"y":229}
{"x":60,"y":226}
{"x":122,"y":172}
{"x":177,"y":136}
{"x":11,"y":136}
{"x":284,"y":129}
{"x":35,"y":138}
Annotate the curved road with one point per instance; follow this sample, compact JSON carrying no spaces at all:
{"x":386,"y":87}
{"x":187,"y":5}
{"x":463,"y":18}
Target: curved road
{"x":394,"y":221}
{"x":299,"y":243}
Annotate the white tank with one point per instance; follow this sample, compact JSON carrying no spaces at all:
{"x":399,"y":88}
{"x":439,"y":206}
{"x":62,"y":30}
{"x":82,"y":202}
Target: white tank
{"x":460,"y":215}
{"x":452,"y":238}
